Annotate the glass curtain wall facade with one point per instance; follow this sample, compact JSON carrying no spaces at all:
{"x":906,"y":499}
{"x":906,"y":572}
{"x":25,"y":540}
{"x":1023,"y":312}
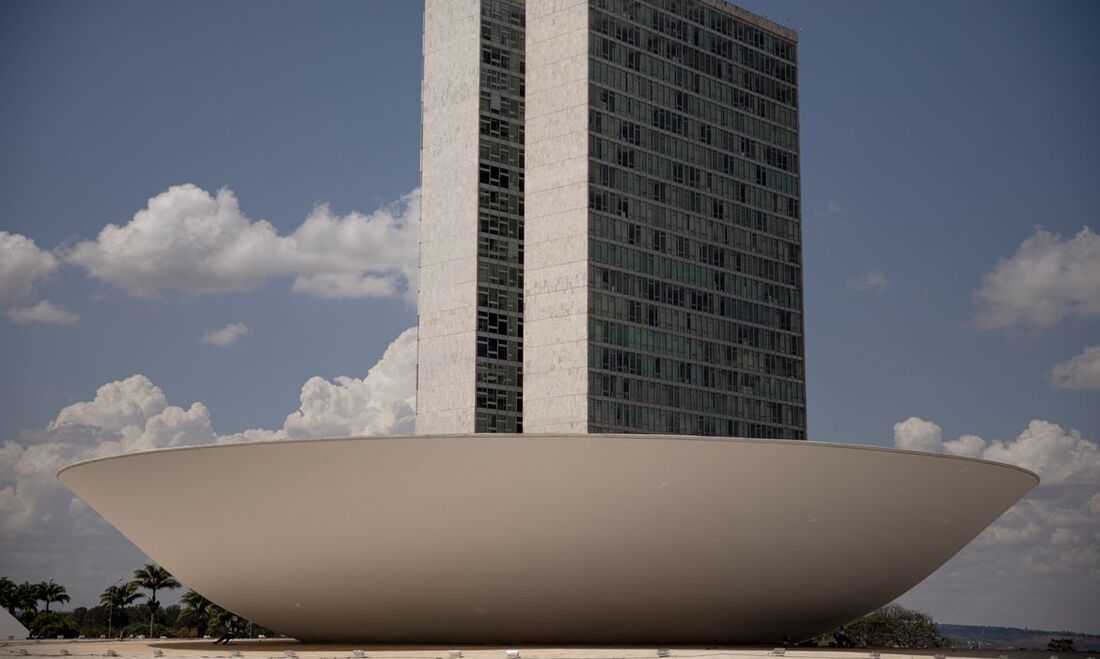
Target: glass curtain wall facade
{"x":695,"y":261}
{"x":499,"y":361}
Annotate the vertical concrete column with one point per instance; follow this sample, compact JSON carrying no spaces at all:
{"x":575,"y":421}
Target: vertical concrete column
{"x":447,"y":299}
{"x":555,"y":364}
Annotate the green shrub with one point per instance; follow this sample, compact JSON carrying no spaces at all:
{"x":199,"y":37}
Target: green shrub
{"x":135,"y":629}
{"x":894,"y":626}
{"x":52,"y":625}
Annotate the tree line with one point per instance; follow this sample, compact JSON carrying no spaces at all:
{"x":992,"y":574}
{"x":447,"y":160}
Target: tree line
{"x":126,"y":609}
{"x":121,"y":613}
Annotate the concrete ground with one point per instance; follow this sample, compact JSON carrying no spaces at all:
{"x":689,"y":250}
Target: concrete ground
{"x":285,"y":648}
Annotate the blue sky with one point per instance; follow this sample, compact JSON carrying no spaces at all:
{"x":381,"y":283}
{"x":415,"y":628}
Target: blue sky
{"x":287,"y":105}
{"x":936,"y":137}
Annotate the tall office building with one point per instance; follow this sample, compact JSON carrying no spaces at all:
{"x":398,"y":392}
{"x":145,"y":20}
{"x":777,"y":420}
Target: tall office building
{"x":662,"y":278}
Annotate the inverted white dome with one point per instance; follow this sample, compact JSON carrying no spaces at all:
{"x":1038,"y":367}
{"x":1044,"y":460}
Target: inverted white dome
{"x":549,"y":539}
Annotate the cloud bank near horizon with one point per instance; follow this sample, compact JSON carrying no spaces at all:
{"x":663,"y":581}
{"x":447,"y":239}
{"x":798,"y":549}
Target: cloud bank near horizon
{"x":1046,"y":547}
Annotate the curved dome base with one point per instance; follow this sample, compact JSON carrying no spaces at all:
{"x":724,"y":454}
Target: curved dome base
{"x":548,"y":539}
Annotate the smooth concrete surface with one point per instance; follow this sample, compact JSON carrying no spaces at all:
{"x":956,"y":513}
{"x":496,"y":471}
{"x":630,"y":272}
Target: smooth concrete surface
{"x":447,"y":294}
{"x":548,"y":539}
{"x":555,"y":250}
{"x":10,"y":628}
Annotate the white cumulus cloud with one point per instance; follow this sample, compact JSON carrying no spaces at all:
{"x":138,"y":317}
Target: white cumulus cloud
{"x":1045,"y":548}
{"x":127,"y":415}
{"x":382,"y":403}
{"x":1080,"y":372}
{"x":189,"y":241}
{"x":251,"y":435}
{"x":869,"y":282}
{"x":43,"y":311}
{"x":117,"y":406}
{"x":22,"y":266}
{"x":916,"y":434}
{"x":1048,"y":279}
{"x":225,"y":336}
{"x":1043,"y":447}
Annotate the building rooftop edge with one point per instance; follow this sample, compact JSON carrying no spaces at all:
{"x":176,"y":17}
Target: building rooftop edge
{"x":754,"y":19}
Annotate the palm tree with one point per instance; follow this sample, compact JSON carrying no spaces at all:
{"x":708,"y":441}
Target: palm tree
{"x":7,"y":595}
{"x":197,"y":609}
{"x":118,"y":596}
{"x":195,"y":601}
{"x":26,"y":597}
{"x":153,"y":577}
{"x":50,"y":592}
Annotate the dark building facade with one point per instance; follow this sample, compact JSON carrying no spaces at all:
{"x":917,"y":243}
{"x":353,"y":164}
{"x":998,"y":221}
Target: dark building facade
{"x":696,"y":260}
{"x":499,"y":367}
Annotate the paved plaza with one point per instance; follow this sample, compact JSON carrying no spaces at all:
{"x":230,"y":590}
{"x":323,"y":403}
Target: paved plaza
{"x":290,"y":649}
